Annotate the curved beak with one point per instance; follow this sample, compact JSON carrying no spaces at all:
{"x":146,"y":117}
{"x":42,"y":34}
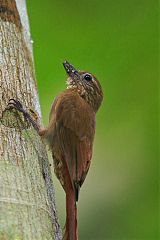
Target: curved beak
{"x":71,"y":71}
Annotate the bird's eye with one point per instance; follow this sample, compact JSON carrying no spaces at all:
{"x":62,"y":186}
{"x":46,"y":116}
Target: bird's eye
{"x":88,"y":77}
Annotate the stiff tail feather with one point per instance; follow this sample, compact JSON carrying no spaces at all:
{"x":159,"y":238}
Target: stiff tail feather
{"x":71,"y":226}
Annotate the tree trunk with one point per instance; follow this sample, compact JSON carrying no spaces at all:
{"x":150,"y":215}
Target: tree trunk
{"x":27,"y":201}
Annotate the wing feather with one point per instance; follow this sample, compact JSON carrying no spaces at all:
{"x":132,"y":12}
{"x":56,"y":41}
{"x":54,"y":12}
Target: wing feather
{"x":75,"y":127}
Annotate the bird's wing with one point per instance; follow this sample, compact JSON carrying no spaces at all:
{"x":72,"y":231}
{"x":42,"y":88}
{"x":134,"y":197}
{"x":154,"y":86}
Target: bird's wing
{"x":75,"y":125}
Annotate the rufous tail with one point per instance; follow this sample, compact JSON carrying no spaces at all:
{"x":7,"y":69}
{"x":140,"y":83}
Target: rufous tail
{"x":71,"y":227}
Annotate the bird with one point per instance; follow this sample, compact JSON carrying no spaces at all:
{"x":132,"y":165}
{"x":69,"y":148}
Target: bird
{"x":70,"y":135}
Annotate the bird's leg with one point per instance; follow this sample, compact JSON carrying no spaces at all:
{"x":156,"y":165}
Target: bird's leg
{"x":18,"y":106}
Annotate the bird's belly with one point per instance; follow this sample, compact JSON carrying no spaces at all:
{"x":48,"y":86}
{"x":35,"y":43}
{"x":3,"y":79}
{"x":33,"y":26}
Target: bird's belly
{"x":58,"y":166}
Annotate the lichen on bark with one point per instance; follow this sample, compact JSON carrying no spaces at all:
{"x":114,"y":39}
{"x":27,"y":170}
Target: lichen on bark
{"x":27,"y":200}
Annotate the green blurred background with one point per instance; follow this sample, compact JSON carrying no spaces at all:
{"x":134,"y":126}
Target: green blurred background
{"x":118,"y":42}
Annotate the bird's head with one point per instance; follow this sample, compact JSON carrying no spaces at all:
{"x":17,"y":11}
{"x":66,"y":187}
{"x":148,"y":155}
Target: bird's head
{"x":86,"y":85}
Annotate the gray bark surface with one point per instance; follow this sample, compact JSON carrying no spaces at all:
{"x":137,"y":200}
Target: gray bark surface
{"x":27,"y":200}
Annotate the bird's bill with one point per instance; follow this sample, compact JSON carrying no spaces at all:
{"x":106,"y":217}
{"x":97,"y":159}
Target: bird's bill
{"x":71,"y":71}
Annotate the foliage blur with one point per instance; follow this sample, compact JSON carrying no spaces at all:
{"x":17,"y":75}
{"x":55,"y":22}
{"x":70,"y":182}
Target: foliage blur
{"x":118,"y":42}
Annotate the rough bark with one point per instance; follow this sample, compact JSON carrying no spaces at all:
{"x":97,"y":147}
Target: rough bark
{"x":27,"y":200}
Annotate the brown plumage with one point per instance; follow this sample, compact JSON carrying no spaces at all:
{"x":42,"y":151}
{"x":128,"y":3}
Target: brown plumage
{"x":70,"y":134}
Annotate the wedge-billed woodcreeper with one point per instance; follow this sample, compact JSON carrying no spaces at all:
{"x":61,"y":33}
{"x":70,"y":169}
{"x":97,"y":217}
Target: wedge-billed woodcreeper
{"x":70,"y":134}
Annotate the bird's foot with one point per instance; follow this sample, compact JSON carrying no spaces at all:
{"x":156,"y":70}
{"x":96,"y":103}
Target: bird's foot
{"x":17,"y":105}
{"x":30,"y":117}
